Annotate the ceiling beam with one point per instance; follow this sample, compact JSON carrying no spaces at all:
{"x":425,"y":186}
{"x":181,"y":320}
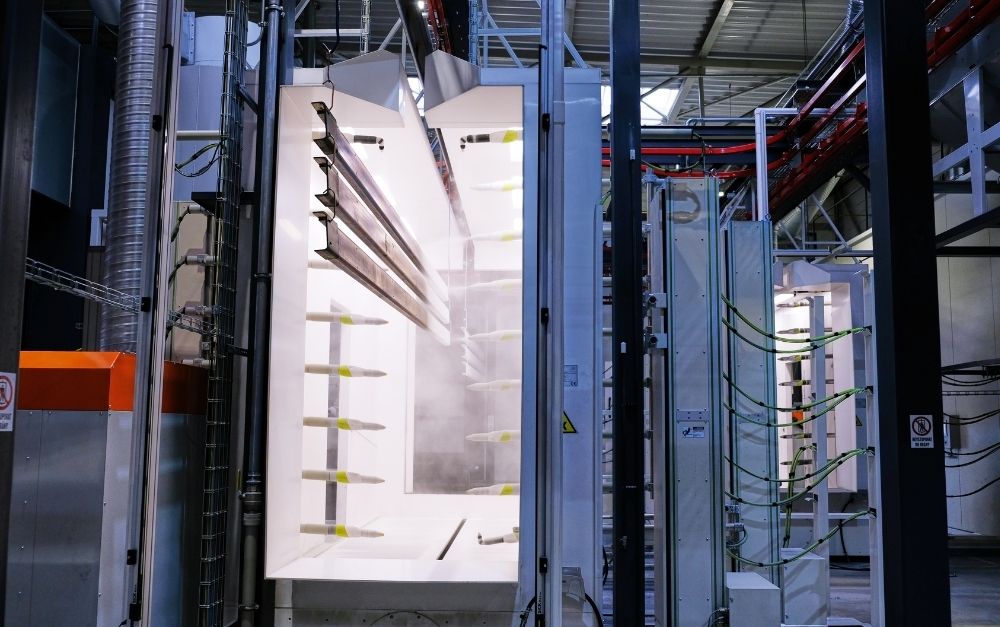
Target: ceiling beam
{"x":785,"y":65}
{"x":713,"y":31}
{"x":737,"y":94}
{"x":706,"y":47}
{"x":570,"y":18}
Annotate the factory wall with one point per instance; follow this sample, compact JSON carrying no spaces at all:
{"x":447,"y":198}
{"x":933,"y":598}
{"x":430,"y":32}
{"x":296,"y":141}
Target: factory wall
{"x":969,"y":305}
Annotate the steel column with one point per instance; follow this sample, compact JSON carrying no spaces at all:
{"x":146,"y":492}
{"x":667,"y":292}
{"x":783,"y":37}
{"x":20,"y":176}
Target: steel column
{"x":626,"y":314}
{"x":20,"y":36}
{"x":912,"y":517}
{"x":548,"y":445}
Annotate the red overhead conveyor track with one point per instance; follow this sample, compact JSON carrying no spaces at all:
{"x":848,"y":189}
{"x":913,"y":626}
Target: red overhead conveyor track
{"x":945,"y":41}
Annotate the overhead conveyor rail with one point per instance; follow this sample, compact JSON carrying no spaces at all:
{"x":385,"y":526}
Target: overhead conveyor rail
{"x":414,"y":288}
{"x":828,"y":142}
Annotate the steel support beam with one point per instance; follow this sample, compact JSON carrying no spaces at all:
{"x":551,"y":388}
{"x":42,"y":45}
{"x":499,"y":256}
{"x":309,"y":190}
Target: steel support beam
{"x":706,"y":47}
{"x":20,"y":36}
{"x":598,"y":56}
{"x":626,"y":294}
{"x":987,"y":220}
{"x":969,"y":251}
{"x":912,"y":517}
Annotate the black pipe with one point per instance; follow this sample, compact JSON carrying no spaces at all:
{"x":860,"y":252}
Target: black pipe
{"x":260,"y":312}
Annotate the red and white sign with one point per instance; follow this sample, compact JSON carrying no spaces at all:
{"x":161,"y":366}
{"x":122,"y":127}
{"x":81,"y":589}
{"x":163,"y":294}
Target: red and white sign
{"x":8,"y":385}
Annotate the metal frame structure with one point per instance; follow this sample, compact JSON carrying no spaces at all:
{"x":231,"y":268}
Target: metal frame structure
{"x":20,"y":35}
{"x":912,"y":517}
{"x":980,"y":138}
{"x":688,"y":428}
{"x":482,"y":27}
{"x":628,"y":422}
{"x":750,"y":289}
{"x":221,"y":297}
{"x":549,"y":321}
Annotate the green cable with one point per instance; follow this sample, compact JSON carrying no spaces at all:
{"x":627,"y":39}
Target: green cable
{"x":834,"y":531}
{"x":791,"y":498}
{"x":791,"y":473}
{"x":773,"y":336}
{"x":824,"y":411}
{"x":846,"y":455}
{"x":779,"y":351}
{"x":835,"y":396}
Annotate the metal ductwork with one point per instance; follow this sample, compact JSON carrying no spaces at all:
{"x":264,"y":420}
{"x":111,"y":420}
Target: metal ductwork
{"x":853,"y":23}
{"x":108,"y":11}
{"x":123,"y":256}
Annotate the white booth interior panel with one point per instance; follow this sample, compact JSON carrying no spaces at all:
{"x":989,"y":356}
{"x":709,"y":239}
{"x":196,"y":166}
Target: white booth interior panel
{"x":416,"y":471}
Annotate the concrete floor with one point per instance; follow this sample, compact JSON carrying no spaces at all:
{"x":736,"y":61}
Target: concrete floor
{"x":975,"y":592}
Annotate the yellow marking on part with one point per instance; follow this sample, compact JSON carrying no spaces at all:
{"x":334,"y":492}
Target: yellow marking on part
{"x":346,"y":319}
{"x":507,"y":187}
{"x":507,"y":490}
{"x":342,"y":476}
{"x":344,"y":371}
{"x":507,"y":336}
{"x":511,"y":136}
{"x":508,"y":237}
{"x":340,"y":530}
{"x":505,"y":436}
{"x":342,"y":423}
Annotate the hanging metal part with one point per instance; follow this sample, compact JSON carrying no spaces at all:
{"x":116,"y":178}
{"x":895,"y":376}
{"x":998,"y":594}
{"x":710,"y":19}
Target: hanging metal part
{"x":123,"y":257}
{"x":260,"y":319}
{"x":221,"y":297}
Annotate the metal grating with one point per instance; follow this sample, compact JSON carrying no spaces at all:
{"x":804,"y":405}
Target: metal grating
{"x":221,"y":297}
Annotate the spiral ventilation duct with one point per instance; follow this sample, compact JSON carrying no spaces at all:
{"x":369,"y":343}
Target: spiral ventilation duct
{"x":123,"y":256}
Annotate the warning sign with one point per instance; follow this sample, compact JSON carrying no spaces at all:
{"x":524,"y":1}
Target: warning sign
{"x":921,"y":431}
{"x":568,"y":426}
{"x":8,"y":381}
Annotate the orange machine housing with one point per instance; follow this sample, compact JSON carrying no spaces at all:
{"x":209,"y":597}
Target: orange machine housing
{"x":101,"y":381}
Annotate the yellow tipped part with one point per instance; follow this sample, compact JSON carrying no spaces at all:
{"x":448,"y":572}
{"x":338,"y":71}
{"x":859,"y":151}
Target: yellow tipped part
{"x":346,"y":319}
{"x":344,"y":371}
{"x":343,"y":423}
{"x":507,"y":490}
{"x":342,"y":476}
{"x":341,"y":530}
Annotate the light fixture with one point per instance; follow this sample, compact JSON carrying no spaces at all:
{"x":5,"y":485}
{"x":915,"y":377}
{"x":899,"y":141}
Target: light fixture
{"x":420,"y":5}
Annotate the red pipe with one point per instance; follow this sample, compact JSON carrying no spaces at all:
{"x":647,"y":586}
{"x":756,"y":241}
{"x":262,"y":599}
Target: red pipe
{"x":945,"y":42}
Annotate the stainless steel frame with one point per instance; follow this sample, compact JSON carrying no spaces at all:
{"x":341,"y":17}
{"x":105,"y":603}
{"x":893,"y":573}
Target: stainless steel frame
{"x":690,"y":431}
{"x":753,"y":446}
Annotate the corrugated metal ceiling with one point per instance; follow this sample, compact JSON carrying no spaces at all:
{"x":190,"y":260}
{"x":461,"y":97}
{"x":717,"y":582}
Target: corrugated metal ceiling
{"x":757,"y":48}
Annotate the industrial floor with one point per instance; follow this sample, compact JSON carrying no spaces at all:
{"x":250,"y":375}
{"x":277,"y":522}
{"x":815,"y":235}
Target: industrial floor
{"x":975,"y":593}
{"x":975,"y":600}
